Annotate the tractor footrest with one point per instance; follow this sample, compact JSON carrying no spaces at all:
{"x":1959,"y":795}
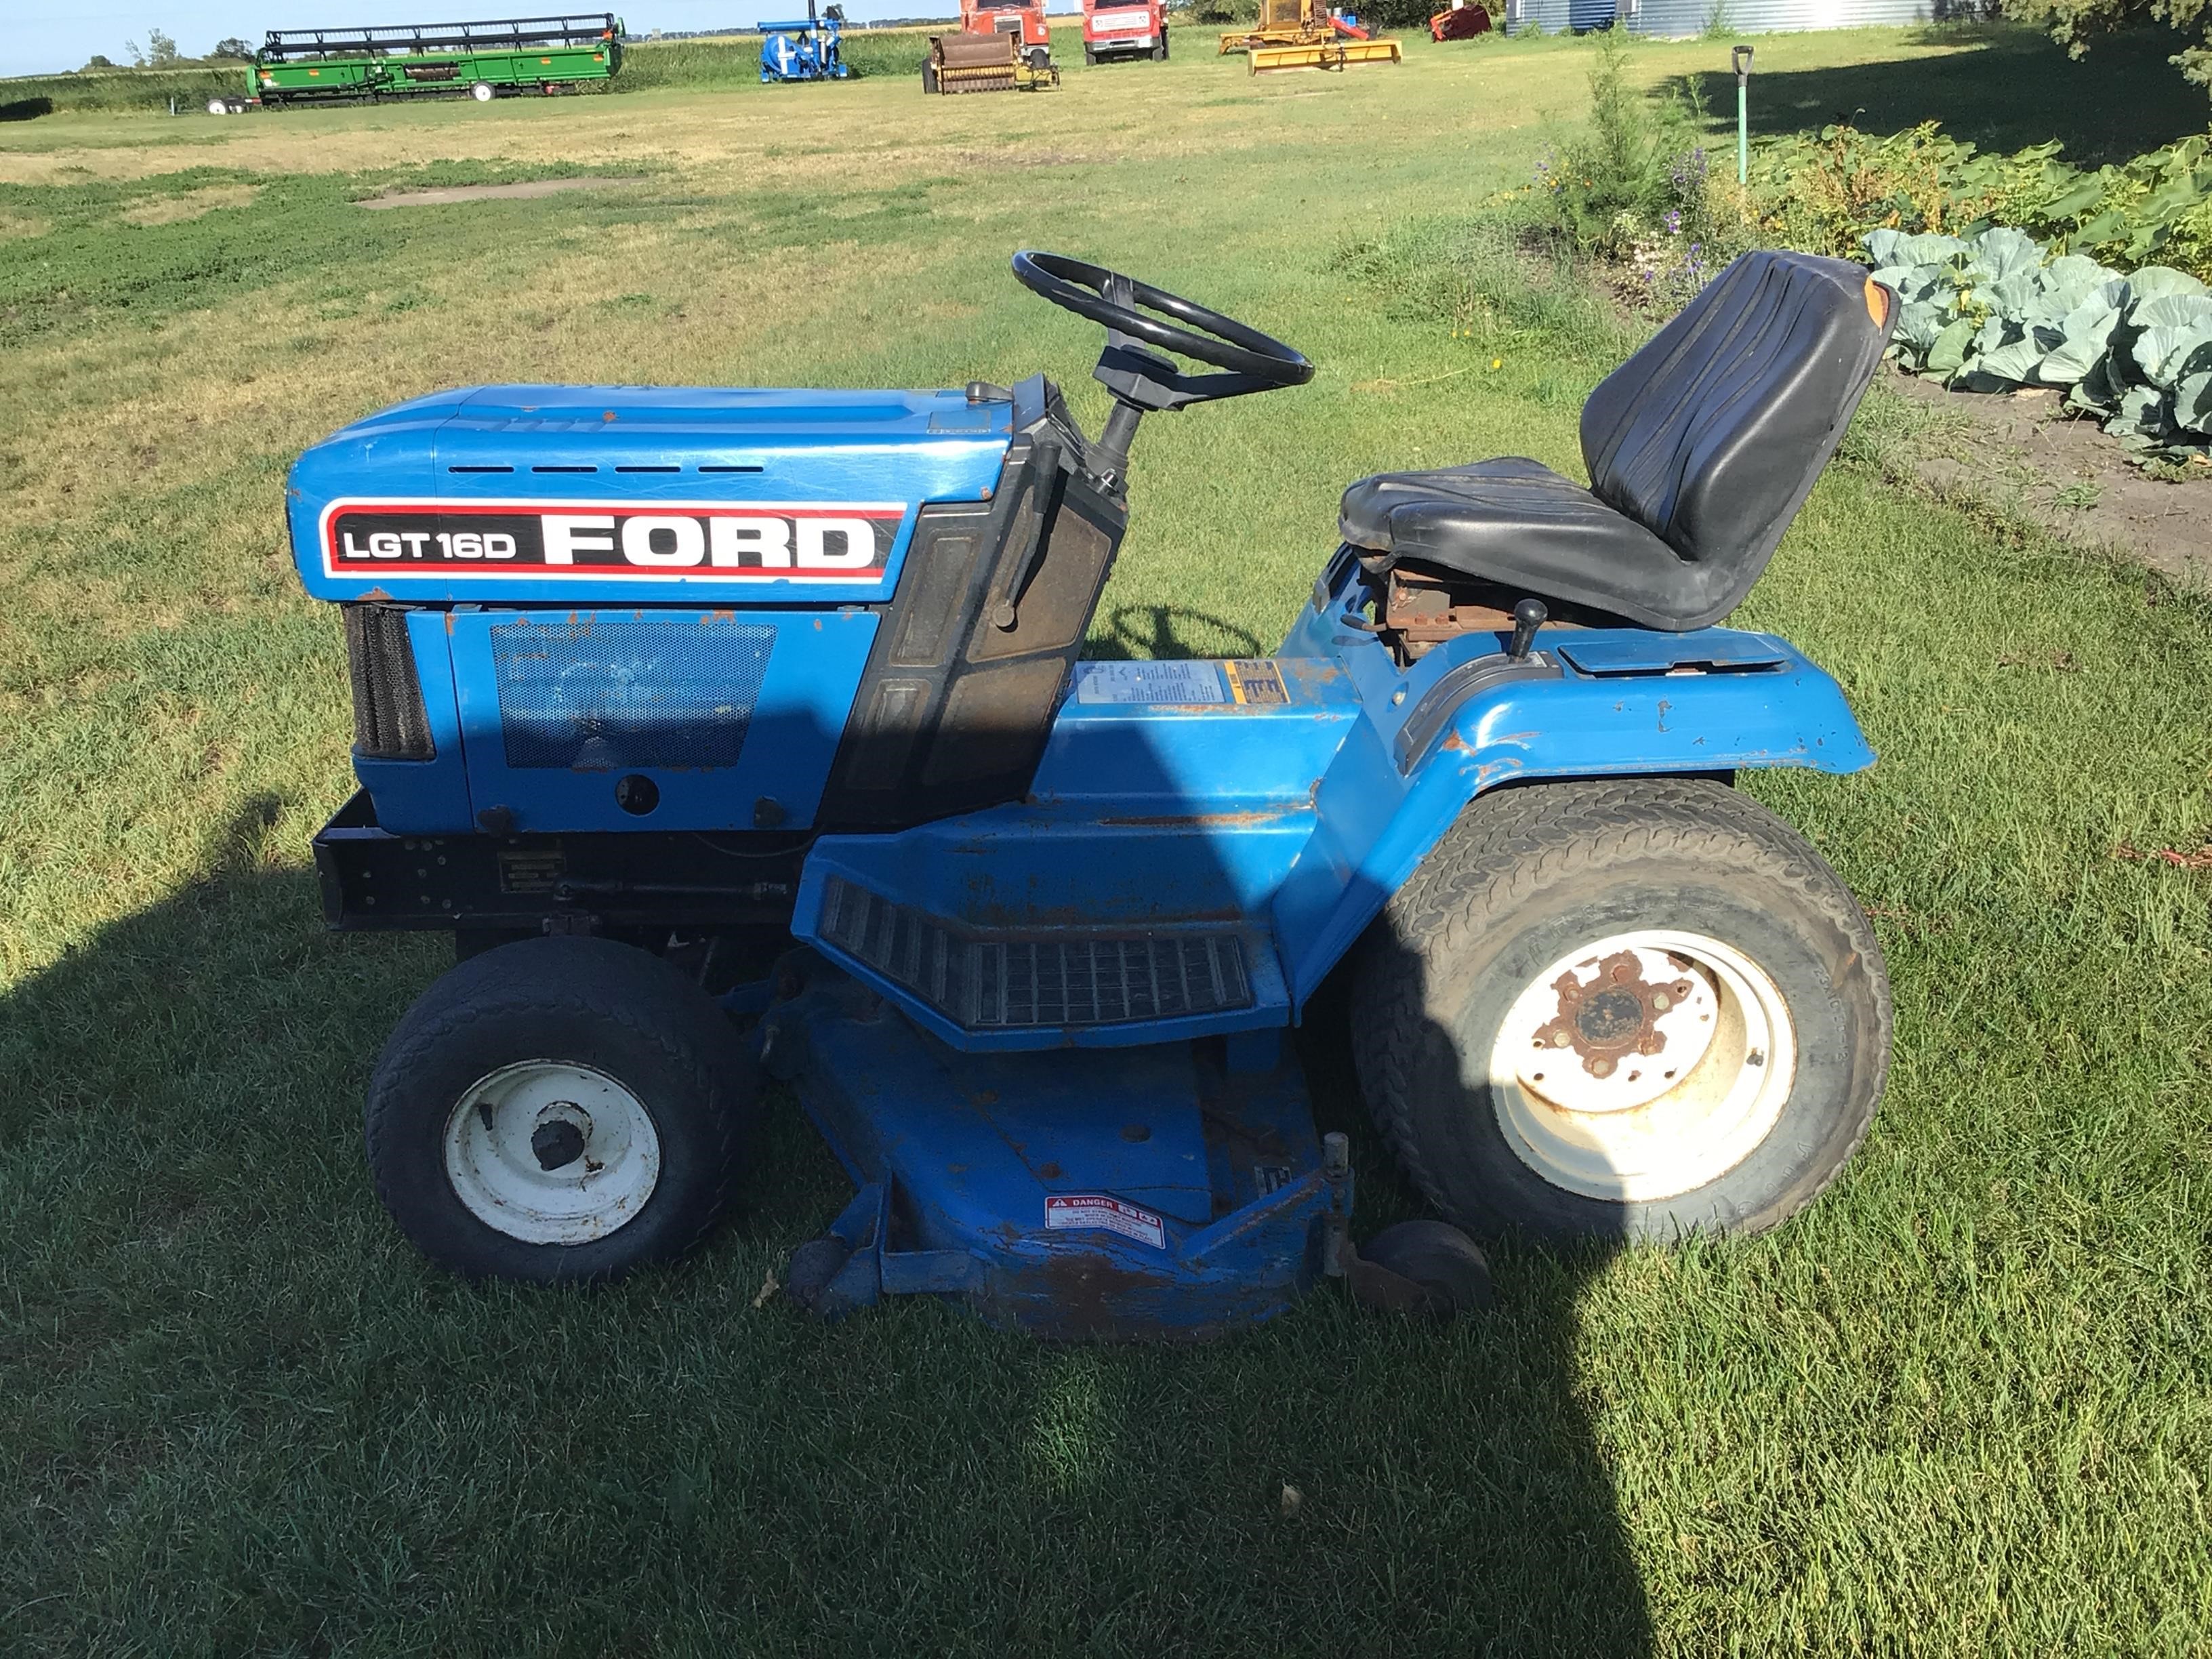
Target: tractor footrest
{"x":982,"y":982}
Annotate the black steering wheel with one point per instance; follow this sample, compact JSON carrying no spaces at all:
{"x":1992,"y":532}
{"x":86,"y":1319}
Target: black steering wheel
{"x":1259,"y":361}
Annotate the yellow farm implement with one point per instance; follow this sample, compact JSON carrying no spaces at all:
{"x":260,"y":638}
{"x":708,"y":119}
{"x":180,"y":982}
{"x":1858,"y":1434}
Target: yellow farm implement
{"x":1298,"y":34}
{"x":983,"y":63}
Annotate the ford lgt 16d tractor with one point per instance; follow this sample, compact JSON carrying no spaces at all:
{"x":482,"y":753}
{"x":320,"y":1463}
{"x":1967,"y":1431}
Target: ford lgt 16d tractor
{"x":731,"y":731}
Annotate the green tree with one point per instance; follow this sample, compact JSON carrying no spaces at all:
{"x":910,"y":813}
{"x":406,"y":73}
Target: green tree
{"x":2074,"y":23}
{"x":231,"y":46}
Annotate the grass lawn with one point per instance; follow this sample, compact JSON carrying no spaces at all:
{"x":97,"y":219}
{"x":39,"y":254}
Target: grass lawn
{"x":1962,"y":1405}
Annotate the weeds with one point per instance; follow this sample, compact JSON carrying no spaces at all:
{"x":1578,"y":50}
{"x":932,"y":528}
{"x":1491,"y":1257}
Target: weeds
{"x":1635,"y":187}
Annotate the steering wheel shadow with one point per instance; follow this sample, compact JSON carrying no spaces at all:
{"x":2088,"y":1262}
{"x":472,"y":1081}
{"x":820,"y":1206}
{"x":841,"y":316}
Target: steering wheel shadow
{"x":1127,"y":632}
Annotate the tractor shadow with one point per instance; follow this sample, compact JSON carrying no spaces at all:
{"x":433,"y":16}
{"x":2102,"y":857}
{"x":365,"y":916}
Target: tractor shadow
{"x":1495,"y":1403}
{"x":192,"y":1240}
{"x":2010,"y":88}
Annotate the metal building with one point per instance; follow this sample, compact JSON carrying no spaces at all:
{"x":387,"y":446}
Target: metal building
{"x":1676,"y":18}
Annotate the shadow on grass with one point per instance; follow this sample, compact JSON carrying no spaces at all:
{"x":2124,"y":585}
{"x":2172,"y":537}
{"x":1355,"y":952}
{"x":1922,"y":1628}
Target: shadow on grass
{"x":237,"y":1413}
{"x":2010,"y":88}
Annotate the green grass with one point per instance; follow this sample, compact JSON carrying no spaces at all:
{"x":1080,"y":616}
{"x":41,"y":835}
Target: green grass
{"x":1963,"y":1405}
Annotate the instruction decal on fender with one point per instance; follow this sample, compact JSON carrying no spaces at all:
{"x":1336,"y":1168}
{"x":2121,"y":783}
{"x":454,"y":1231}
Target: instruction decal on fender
{"x":1184,"y":682}
{"x":1077,"y":1211}
{"x":527,"y":540}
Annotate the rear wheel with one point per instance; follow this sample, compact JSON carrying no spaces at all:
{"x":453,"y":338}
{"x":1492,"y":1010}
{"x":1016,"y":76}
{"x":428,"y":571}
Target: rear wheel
{"x":1160,"y":51}
{"x":559,"y":1109}
{"x":1090,"y":57}
{"x":1630,"y":1010}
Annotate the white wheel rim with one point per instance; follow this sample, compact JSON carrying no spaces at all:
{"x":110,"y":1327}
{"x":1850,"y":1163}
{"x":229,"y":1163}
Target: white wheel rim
{"x":481,"y":92}
{"x":1643,"y":1066}
{"x":599,"y":1141}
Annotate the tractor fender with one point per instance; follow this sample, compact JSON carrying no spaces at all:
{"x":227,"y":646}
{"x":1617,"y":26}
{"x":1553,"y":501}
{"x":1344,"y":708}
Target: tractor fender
{"x":1487,"y":723}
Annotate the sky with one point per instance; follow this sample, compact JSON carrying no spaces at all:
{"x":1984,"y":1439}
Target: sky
{"x":47,"y":38}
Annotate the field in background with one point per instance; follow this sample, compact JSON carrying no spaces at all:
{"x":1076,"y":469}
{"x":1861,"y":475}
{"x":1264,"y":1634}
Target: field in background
{"x":1960,"y":1405}
{"x":718,"y":62}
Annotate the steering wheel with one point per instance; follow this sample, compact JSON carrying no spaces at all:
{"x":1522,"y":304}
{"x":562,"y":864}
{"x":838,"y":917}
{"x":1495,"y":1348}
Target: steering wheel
{"x":1113,"y":299}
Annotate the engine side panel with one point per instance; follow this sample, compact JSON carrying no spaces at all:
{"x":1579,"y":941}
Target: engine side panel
{"x":653,"y":720}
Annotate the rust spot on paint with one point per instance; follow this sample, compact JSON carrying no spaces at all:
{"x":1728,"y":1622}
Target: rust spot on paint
{"x":1197,"y":820}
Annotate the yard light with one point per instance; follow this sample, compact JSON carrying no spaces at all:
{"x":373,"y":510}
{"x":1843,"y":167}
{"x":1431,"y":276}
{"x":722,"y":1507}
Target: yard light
{"x":1739,"y":57}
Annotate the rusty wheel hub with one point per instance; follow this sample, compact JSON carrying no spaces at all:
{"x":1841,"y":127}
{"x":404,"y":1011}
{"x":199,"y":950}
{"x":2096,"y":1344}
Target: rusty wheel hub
{"x":1615,"y":1013}
{"x":1643,"y":1066}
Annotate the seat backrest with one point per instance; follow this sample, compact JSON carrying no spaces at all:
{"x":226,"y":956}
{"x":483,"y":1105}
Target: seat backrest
{"x":1713,"y":434}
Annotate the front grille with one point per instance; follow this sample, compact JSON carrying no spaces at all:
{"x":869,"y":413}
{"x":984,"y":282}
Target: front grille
{"x":985,"y":984}
{"x":592,"y":694}
{"x":388,"y":721}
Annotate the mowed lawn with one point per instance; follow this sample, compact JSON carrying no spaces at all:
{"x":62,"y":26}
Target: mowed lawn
{"x":1962,"y":1405}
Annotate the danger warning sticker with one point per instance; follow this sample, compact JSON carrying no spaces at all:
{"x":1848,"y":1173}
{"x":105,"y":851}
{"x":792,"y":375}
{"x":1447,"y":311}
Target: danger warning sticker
{"x":1095,"y":1211}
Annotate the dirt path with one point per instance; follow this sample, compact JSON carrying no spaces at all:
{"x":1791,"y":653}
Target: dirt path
{"x":2023,"y":453}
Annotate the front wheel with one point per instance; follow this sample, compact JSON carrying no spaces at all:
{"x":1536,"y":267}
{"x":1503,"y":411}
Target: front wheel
{"x":1629,"y":1010}
{"x":559,"y":1109}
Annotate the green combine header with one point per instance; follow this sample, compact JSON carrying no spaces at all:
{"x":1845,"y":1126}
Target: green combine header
{"x":415,"y":60}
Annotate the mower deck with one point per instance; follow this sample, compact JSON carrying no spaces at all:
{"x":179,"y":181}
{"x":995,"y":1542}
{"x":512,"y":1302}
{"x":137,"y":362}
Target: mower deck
{"x":1171,"y":1191}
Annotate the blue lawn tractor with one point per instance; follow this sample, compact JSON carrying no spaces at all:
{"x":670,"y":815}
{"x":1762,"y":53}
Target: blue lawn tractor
{"x":806,"y":49}
{"x":735,"y":732}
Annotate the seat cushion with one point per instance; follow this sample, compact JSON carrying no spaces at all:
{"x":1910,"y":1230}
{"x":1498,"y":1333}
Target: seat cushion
{"x":1517,"y":523}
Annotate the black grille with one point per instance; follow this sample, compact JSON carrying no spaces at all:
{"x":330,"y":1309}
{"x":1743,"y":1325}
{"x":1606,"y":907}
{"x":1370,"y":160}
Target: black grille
{"x":988,"y":983}
{"x":594,"y":695}
{"x":388,"y":722}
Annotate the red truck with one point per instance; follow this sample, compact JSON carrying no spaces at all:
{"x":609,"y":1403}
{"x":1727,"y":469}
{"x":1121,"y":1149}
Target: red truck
{"x":1022,"y":17}
{"x":1124,"y":28}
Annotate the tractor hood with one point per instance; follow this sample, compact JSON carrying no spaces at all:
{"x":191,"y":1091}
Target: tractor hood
{"x":635,"y":494}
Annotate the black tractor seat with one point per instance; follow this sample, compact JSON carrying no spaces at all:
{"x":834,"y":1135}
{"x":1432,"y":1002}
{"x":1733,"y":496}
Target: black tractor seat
{"x":1701,"y":448}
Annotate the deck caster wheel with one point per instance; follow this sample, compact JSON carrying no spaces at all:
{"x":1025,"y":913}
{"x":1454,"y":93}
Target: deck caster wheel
{"x":1632,"y":1010}
{"x":813,"y":1265}
{"x":1424,"y":1266}
{"x":482,"y":92}
{"x":560,"y":1110}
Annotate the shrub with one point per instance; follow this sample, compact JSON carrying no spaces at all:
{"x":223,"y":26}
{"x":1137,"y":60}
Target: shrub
{"x":1825,"y":194}
{"x":1637,"y":185}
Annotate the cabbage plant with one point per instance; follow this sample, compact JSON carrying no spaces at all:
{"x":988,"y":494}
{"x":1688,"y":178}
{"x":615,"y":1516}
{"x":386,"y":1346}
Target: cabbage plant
{"x":1997,"y":311}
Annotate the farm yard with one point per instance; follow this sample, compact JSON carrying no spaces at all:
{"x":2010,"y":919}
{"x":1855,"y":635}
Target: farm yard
{"x":1961,"y":1405}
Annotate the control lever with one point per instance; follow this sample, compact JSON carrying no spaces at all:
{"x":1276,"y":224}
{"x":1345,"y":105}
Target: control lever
{"x":1528,"y":616}
{"x":1044,"y":476}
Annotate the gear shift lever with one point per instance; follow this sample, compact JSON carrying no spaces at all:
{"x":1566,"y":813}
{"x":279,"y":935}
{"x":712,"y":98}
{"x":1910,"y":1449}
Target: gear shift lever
{"x":1528,"y":616}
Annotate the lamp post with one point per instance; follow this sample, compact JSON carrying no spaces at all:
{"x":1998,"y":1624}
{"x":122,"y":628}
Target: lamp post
{"x":1740,"y":58}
